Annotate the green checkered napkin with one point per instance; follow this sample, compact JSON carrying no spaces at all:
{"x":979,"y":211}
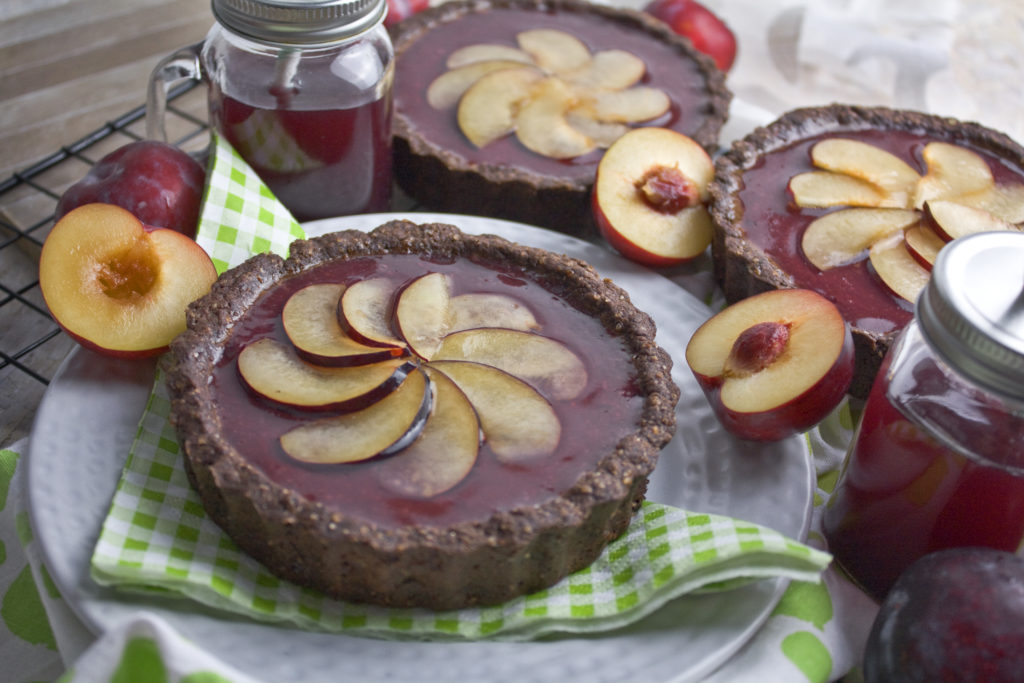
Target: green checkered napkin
{"x":157,"y":537}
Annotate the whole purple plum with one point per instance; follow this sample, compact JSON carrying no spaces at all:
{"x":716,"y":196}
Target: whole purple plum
{"x":953,"y":615}
{"x":157,"y":182}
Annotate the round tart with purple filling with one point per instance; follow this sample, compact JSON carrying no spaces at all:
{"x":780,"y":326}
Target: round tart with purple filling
{"x":855,"y":203}
{"x":418,"y":417}
{"x":503,"y":108}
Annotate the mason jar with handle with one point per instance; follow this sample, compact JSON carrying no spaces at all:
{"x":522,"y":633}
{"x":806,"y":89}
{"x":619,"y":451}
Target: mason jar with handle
{"x":937,"y":460}
{"x":302,"y":89}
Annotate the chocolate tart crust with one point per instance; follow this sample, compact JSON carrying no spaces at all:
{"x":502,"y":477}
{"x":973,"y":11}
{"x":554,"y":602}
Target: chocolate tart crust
{"x":484,"y":562}
{"x":443,"y":180}
{"x":743,"y":269}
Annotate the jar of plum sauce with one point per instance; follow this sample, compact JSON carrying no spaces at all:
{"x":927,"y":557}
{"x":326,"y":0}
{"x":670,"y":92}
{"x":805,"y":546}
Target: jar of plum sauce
{"x":937,"y":460}
{"x":302,"y":89}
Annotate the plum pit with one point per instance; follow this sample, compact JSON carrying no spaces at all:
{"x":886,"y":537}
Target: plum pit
{"x":130,"y":274}
{"x":756,"y":348}
{"x":667,"y":189}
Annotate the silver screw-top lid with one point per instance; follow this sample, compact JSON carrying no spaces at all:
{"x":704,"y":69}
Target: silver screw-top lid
{"x":299,"y":21}
{"x":972,"y":311}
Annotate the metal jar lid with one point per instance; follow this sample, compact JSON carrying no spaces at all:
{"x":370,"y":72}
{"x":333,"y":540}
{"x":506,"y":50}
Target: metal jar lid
{"x":299,"y":21}
{"x":972,"y":311}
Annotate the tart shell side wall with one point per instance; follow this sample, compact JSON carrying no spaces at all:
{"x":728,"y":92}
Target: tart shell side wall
{"x":742,"y":269}
{"x":472,"y":563}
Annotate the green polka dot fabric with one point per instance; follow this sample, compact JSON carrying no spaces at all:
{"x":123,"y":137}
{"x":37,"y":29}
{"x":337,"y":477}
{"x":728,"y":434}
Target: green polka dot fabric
{"x":27,"y":643}
{"x":157,"y":536}
{"x":147,"y":650}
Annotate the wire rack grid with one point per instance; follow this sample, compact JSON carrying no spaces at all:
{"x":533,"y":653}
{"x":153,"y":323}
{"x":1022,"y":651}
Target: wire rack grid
{"x":32,"y":346}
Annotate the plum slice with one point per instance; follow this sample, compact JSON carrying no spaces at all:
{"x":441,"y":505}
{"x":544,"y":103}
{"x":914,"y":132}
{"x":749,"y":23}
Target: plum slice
{"x":822,"y":189}
{"x":518,"y":423}
{"x":443,"y":453}
{"x":952,"y":220}
{"x":841,"y":237}
{"x":385,"y":426}
{"x":897,"y":267}
{"x":364,"y":312}
{"x":952,"y":171}
{"x":885,"y":170}
{"x":490,"y":310}
{"x":275,"y":371}
{"x":924,"y":244}
{"x":310,"y":319}
{"x":548,"y":365}
{"x":421,"y":313}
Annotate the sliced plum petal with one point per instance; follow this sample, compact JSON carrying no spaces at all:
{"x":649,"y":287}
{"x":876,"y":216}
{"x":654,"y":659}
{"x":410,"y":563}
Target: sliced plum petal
{"x":422,"y":315}
{"x":447,"y":89}
{"x":518,"y":423}
{"x":609,"y":70}
{"x":443,"y":453}
{"x":895,"y":177}
{"x":542,"y":127}
{"x":310,"y":319}
{"x":396,"y":419}
{"x":824,"y":189}
{"x":952,"y":220}
{"x":952,"y":171}
{"x":490,"y":310}
{"x":364,"y":312}
{"x":900,"y":271}
{"x":274,"y":370}
{"x":548,"y":365}
{"x":486,"y":52}
{"x":843,"y":236}
{"x":553,"y":50}
{"x":489,"y":108}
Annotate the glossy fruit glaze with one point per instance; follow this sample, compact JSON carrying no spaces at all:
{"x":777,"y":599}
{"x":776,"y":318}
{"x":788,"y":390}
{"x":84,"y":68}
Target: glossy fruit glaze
{"x":903,"y":493}
{"x":592,"y":424}
{"x":772,"y":222}
{"x":424,"y":59}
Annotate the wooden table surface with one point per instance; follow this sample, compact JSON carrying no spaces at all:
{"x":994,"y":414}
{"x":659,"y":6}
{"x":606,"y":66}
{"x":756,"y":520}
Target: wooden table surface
{"x":67,"y":67}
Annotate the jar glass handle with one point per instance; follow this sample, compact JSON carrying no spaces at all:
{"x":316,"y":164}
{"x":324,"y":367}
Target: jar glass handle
{"x":174,"y":68}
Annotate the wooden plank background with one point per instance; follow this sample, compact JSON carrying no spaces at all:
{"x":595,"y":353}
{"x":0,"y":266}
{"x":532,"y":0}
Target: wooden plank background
{"x":67,"y":67}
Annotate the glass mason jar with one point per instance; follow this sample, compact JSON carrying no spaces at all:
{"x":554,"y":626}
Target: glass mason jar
{"x":302,"y":90}
{"x":937,"y":460}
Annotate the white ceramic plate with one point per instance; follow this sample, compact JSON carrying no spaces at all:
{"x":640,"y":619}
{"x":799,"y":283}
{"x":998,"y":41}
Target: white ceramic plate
{"x":89,"y":415}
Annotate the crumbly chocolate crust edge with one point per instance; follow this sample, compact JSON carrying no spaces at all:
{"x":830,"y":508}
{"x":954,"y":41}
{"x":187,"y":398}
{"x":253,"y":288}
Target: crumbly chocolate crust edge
{"x":516,"y":194}
{"x":742,"y":269}
{"x":514,"y":552}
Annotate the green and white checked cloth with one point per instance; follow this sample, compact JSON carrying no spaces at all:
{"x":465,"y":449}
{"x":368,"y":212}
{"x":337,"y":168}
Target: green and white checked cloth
{"x":240,"y":215}
{"x":157,"y":536}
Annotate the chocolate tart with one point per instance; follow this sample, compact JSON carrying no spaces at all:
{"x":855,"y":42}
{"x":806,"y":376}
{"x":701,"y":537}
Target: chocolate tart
{"x":758,"y":225}
{"x":437,"y":165}
{"x":506,"y":528}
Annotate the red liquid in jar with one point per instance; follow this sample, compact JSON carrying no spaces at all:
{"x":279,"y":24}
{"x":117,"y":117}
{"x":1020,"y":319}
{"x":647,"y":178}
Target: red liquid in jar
{"x":318,"y":163}
{"x":904,"y":494}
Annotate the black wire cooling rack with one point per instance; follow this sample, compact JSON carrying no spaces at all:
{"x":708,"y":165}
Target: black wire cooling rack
{"x":31,"y":345}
